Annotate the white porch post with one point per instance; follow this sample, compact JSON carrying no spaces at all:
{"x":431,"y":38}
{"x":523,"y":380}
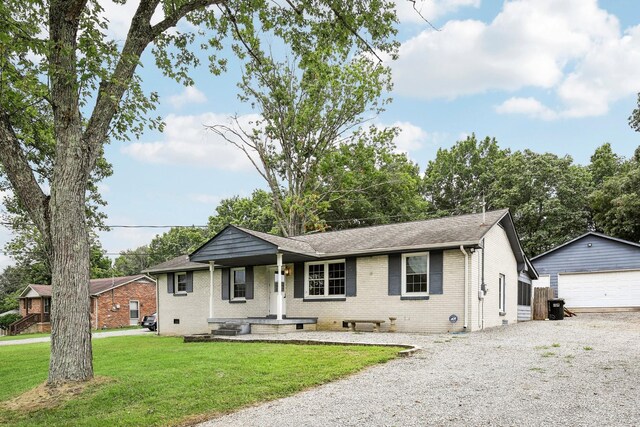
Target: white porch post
{"x":279,"y":279}
{"x":211,"y":269}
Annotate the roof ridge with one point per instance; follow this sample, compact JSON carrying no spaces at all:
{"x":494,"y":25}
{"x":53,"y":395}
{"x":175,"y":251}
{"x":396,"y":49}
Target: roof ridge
{"x":396,"y":223}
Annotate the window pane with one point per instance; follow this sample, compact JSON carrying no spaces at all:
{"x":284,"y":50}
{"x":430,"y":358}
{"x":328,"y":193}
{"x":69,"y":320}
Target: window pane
{"x":416,"y":264}
{"x":238,"y":276}
{"x":336,"y":279}
{"x":416,"y":273}
{"x":316,"y":279}
{"x":182,"y":282}
{"x":239,"y":290}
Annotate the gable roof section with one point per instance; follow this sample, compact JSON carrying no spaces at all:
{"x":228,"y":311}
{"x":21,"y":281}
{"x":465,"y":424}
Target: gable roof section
{"x":99,"y":286}
{"x":96,"y":286}
{"x":590,"y":233}
{"x":41,"y":290}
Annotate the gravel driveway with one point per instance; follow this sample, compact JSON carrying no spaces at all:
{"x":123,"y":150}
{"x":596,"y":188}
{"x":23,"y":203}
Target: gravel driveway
{"x":583,"y":371}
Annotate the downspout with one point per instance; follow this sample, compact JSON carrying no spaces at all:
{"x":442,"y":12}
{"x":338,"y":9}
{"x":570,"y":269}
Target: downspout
{"x":466,"y":285}
{"x":95,"y":305}
{"x":155,"y":279}
{"x":211,"y":269}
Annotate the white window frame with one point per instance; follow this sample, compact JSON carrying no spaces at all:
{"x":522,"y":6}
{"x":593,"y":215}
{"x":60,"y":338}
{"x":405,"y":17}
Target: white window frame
{"x":326,"y":279}
{"x":502,"y":297}
{"x":232,"y":288}
{"x":176,"y":289}
{"x":404,"y":292}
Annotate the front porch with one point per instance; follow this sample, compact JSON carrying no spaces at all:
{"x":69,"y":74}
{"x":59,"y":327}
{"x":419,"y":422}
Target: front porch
{"x":262,"y":325}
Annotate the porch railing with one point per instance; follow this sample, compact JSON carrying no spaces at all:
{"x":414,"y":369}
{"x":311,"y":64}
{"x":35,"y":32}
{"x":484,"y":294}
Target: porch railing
{"x":20,"y":325}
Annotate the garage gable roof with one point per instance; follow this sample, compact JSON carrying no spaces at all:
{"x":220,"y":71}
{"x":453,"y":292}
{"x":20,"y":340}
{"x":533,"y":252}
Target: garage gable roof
{"x":591,"y":233}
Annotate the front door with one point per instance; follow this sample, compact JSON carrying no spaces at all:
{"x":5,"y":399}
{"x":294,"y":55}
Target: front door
{"x":134,"y":313}
{"x":273,"y":291}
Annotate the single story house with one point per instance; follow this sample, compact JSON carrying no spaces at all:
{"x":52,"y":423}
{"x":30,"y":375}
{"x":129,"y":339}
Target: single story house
{"x":449,"y":274}
{"x":593,"y":272}
{"x":115,"y":302}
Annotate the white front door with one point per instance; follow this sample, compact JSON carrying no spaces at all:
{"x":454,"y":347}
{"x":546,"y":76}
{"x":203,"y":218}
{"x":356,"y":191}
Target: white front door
{"x":134,"y":313}
{"x":273,"y":292}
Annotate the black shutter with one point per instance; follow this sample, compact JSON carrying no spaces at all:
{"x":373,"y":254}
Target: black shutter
{"x":298,"y":280}
{"x":351,"y":273}
{"x":435,"y":273}
{"x":189,"y":281}
{"x":395,"y":273}
{"x":170,"y":283}
{"x":225,"y":283}
{"x":248,"y":280}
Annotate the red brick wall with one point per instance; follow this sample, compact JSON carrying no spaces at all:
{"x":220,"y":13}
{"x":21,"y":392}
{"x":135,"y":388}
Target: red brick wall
{"x":110,"y":317}
{"x":35,"y":306}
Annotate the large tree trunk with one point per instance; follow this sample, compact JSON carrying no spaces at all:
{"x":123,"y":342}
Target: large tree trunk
{"x":71,"y":354}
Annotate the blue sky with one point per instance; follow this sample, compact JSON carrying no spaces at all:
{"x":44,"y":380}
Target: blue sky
{"x":539,"y":74}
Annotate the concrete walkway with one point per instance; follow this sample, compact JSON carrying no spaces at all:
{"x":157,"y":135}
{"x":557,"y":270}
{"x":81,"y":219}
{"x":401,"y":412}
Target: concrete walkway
{"x":96,"y":335}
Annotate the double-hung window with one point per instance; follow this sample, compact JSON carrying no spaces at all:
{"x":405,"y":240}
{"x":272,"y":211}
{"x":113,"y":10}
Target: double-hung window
{"x":238,"y":283}
{"x":502,"y":294}
{"x":181,"y":283}
{"x":326,"y":279}
{"x":415,"y":274}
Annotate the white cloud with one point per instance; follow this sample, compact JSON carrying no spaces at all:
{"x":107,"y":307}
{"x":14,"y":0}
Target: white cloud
{"x":190,"y":95}
{"x":186,"y":141}
{"x":411,"y":137}
{"x":419,"y":10}
{"x":573,"y":48}
{"x":528,"y":106}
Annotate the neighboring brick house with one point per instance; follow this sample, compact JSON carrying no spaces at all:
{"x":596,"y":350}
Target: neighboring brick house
{"x":115,"y":302}
{"x":448,"y":274}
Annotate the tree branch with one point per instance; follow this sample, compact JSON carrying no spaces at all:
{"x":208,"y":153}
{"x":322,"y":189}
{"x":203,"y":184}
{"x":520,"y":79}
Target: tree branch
{"x":21,"y":176}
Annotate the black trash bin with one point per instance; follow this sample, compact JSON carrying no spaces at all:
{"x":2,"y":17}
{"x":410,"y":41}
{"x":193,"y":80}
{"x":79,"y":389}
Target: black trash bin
{"x":556,"y":308}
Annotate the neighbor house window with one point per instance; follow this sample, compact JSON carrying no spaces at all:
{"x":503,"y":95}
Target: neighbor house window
{"x":238,"y":283}
{"x":524,"y":293}
{"x":501,"y":294}
{"x":326,"y":279}
{"x":181,"y":282}
{"x":47,"y":305}
{"x":415,"y":274}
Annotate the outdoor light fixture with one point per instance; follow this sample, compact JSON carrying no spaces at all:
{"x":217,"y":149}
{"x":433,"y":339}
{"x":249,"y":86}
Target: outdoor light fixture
{"x":287,"y":272}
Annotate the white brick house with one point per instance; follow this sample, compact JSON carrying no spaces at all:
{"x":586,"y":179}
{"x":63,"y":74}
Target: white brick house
{"x":425,"y":274}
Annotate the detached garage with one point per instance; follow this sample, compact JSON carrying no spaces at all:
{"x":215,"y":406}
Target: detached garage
{"x":593,"y":272}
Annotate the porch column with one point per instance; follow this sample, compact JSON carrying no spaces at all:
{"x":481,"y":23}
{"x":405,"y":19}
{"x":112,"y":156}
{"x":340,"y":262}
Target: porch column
{"x":211,"y":269}
{"x":279,"y":277}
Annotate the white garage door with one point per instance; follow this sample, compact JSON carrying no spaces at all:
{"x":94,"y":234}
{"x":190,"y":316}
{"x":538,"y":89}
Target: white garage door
{"x":610,"y":289}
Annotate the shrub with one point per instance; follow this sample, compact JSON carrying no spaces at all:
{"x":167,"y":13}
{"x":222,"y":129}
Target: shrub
{"x":8,"y":319}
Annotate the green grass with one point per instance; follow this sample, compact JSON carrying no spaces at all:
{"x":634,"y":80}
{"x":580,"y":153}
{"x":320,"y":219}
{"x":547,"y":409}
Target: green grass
{"x":46,"y":334}
{"x":162,"y":381}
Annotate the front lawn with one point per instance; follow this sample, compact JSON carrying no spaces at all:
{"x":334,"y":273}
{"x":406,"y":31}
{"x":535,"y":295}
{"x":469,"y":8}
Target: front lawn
{"x":162,"y":381}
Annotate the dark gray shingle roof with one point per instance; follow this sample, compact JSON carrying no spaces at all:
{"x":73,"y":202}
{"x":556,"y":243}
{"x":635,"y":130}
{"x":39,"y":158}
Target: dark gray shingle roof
{"x":450,"y":231}
{"x":179,"y":263}
{"x":96,"y":286}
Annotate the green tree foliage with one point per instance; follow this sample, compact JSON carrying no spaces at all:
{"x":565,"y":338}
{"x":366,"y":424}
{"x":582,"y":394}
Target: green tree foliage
{"x":634,"y":119}
{"x":616,"y":201}
{"x":255,"y":212}
{"x":177,"y":241}
{"x":367,"y":183}
{"x":8,"y":319}
{"x":459,"y":177}
{"x":132,"y":261}
{"x":547,"y":195}
{"x":604,"y":164}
